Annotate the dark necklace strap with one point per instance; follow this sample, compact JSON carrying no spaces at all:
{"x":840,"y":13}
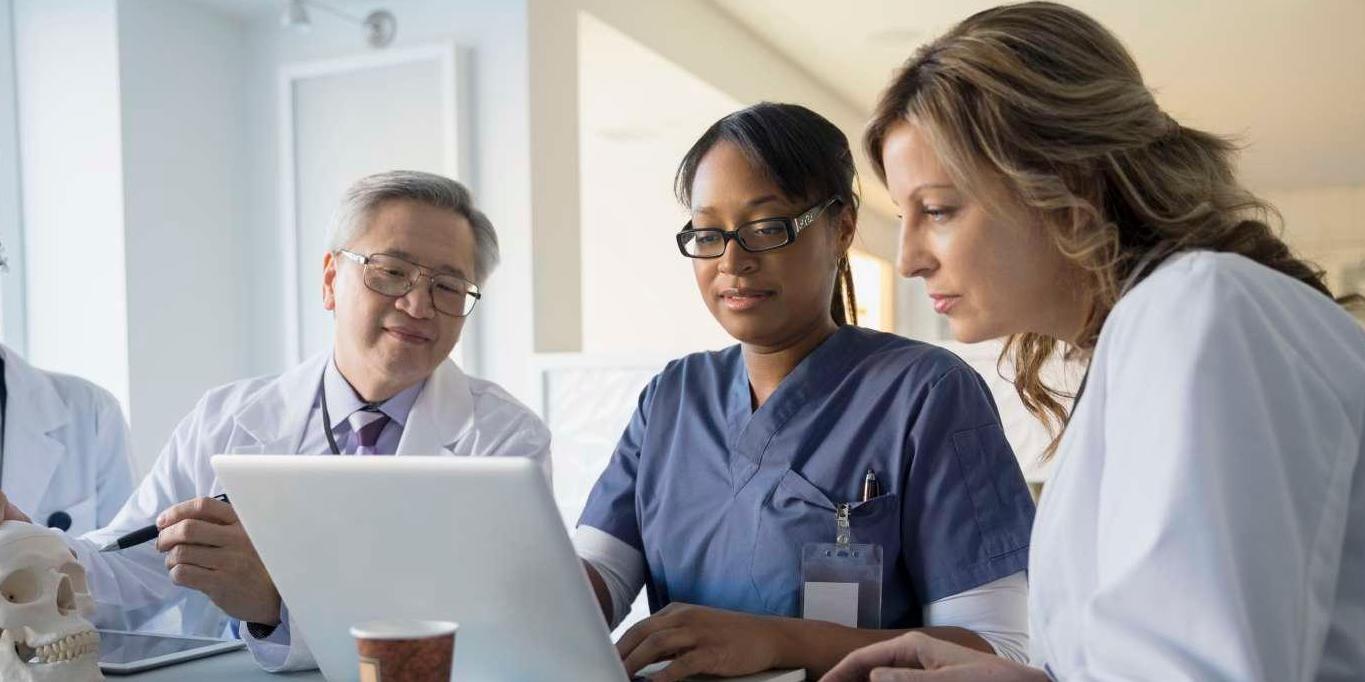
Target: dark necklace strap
{"x":327,"y":425}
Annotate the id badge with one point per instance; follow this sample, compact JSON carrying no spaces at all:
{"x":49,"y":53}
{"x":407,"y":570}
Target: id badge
{"x":841,"y":581}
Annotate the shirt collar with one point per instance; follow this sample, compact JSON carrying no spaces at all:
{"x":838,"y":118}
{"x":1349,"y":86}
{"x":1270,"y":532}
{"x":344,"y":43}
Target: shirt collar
{"x":342,"y":400}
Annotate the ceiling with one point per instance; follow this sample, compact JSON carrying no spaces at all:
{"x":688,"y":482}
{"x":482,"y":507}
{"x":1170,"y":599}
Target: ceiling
{"x":1286,"y":78}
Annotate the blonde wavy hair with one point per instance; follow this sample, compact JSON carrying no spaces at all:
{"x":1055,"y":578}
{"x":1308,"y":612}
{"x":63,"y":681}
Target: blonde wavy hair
{"x":1036,"y":105}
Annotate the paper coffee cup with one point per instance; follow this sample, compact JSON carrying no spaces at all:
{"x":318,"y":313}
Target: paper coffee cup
{"x":400,"y":650}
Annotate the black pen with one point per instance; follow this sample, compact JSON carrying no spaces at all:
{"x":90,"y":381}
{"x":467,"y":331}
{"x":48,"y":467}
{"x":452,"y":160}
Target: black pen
{"x":871,"y":488}
{"x":142,"y":535}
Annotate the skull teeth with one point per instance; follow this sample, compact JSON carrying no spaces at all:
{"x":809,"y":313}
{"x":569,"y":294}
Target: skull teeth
{"x":69,"y":648}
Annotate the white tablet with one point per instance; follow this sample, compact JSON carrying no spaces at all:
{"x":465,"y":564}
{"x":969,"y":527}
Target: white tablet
{"x":123,"y":653}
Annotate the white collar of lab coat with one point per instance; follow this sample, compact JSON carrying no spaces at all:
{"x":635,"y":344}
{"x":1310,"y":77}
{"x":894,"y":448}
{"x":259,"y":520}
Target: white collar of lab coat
{"x":278,"y":415}
{"x":442,"y":415}
{"x":34,"y":409}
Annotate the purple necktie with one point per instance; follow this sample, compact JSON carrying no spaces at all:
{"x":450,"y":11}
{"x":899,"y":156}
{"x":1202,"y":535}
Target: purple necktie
{"x":366,"y":426}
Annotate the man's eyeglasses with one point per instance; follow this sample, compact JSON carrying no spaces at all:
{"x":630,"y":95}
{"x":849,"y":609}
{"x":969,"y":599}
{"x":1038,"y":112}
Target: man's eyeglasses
{"x":754,"y":237}
{"x":393,"y":276}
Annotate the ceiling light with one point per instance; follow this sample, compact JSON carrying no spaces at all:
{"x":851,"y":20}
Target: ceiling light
{"x":380,"y":25}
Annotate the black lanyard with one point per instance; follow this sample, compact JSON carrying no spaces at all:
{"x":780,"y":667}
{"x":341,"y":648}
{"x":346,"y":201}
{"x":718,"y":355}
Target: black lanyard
{"x":327,"y":424}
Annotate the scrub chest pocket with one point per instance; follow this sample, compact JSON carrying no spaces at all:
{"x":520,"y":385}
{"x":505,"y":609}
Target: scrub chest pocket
{"x":796,"y":513}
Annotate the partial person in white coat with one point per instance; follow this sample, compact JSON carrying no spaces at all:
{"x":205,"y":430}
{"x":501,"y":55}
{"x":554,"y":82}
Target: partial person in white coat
{"x":63,"y":447}
{"x":1206,"y":516}
{"x":401,"y":274}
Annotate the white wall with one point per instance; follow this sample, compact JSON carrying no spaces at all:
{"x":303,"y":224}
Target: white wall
{"x":71,"y":163}
{"x":639,"y":293}
{"x":131,"y":137}
{"x":1326,"y":225}
{"x":12,"y":331}
{"x":711,"y":44}
{"x":181,"y":86}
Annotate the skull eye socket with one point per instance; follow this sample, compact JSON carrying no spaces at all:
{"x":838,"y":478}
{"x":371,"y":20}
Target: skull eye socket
{"x":76,"y":574}
{"x":21,"y":587}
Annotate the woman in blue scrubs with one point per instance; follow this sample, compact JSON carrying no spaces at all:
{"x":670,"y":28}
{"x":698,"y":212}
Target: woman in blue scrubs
{"x":736,"y":459}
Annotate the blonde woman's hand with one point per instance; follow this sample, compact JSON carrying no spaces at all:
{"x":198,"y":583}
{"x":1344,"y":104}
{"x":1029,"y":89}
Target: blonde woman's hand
{"x":917,"y":656}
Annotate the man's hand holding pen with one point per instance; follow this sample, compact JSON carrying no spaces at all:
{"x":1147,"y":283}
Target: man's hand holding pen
{"x":207,"y":549}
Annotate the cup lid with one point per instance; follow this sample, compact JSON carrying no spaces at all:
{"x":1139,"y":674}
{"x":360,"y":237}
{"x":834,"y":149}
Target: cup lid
{"x":403,"y":628}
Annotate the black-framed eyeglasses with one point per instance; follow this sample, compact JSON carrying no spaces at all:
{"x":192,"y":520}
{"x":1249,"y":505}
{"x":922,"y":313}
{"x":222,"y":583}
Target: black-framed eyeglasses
{"x":754,"y":237}
{"x":393,"y":277}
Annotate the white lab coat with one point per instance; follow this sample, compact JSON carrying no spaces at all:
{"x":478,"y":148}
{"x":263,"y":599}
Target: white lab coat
{"x":66,"y":447}
{"x":1206,"y":518}
{"x":453,"y":415}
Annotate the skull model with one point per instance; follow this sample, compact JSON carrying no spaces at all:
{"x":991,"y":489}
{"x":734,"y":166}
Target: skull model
{"x":43,"y":598}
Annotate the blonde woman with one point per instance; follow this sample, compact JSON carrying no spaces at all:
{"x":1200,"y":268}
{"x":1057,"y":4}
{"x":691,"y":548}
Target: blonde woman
{"x":1206,"y":517}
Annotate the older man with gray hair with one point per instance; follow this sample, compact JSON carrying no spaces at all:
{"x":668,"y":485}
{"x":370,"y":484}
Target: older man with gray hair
{"x":408,"y":254}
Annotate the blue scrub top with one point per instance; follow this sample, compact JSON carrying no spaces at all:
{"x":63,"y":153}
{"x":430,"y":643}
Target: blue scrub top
{"x":720,"y":498}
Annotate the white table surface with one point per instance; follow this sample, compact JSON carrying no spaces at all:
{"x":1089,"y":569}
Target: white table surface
{"x":238,"y":665}
{"x":229,"y":667}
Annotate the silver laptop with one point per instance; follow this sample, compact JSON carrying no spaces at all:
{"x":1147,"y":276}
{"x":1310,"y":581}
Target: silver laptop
{"x":473,"y":540}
